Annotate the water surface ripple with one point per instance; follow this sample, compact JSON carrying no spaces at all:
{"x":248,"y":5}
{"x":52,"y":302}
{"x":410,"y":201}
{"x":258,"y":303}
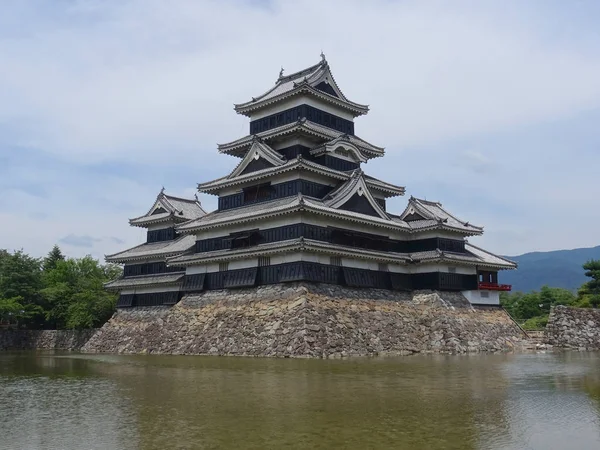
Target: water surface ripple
{"x":73,"y":401}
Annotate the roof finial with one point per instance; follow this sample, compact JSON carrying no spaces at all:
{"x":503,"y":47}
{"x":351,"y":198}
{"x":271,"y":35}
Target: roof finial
{"x":196,"y":197}
{"x":323,"y":57}
{"x":281,"y":72}
{"x":162,"y":191}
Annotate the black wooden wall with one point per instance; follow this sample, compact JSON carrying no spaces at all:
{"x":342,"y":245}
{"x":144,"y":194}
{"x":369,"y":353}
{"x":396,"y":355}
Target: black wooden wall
{"x":335,"y":236}
{"x":298,"y":112}
{"x":279,"y":190}
{"x":164,"y":234}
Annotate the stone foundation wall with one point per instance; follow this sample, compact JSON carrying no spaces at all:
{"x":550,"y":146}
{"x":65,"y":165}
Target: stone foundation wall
{"x":44,"y":339}
{"x":309,"y":320}
{"x":574,"y":328}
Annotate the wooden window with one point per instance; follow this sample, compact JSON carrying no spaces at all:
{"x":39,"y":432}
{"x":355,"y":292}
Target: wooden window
{"x":335,"y":261}
{"x":264,"y":261}
{"x":223,"y":267}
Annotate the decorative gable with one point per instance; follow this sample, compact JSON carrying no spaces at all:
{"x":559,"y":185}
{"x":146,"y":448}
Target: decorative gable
{"x":341,"y":147}
{"x":354,"y":195}
{"x":158,"y":210}
{"x":259,"y":156}
{"x":324,"y":86}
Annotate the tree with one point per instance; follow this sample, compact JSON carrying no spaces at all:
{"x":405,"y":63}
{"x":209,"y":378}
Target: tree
{"x":532,"y":308}
{"x":589,"y":294}
{"x":75,"y":293}
{"x":52,"y":259}
{"x":21,"y":282}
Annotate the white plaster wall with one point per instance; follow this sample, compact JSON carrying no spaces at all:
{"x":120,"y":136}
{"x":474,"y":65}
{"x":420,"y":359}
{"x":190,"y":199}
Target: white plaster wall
{"x":475,"y":297}
{"x":149,"y":290}
{"x":425,"y":268}
{"x":289,"y":140}
{"x":298,"y":100}
{"x":160,"y":226}
{"x":433,"y":234}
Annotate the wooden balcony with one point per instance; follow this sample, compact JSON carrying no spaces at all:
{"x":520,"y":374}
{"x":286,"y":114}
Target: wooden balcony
{"x":494,"y":286}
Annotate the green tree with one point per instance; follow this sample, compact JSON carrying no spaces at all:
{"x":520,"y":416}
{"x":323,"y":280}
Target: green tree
{"x":532,"y":308}
{"x":52,"y":259}
{"x":75,"y":293}
{"x":589,"y":293}
{"x":21,"y":282}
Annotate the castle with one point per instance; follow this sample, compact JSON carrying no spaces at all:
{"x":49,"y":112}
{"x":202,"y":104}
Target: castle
{"x":299,"y":207}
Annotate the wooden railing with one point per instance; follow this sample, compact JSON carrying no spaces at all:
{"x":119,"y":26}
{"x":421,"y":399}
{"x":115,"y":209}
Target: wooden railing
{"x":495,"y":286}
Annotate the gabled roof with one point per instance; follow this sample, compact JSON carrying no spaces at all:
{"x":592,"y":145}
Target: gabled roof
{"x":316,"y":80}
{"x":299,"y":163}
{"x":153,"y":250}
{"x":304,"y":126}
{"x":166,"y":208}
{"x":422,"y":213}
{"x":258,"y":150}
{"x":356,"y":185}
{"x":145,"y":280}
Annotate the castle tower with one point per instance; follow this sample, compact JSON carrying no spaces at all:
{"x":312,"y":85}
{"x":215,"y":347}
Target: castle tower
{"x":299,"y":207}
{"x":147,"y":280}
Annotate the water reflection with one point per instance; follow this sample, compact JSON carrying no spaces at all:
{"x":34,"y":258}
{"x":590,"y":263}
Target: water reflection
{"x":158,"y":402}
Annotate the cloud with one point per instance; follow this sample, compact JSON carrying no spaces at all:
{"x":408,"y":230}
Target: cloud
{"x":79,"y":241}
{"x":131,"y":79}
{"x":491,"y":109}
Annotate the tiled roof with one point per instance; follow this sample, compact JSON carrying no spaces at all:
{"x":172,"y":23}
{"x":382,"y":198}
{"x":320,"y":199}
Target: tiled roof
{"x":431,"y":212}
{"x":488,"y":257}
{"x":154,"y":250}
{"x":375,"y":183}
{"x":263,"y":210}
{"x":297,"y":164}
{"x":243,"y":214}
{"x":145,"y":280}
{"x":293,"y":164}
{"x":304,"y":80}
{"x":175,"y":208}
{"x":290,"y":245}
{"x":233,"y":254}
{"x":308,"y":245}
{"x":239,"y":146}
{"x":474,"y":256}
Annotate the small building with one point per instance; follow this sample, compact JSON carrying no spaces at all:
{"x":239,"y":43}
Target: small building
{"x":147,"y":280}
{"x":300,"y":207}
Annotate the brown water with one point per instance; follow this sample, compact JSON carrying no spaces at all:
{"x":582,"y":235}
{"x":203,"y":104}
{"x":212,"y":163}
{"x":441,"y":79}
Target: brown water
{"x":73,"y":401}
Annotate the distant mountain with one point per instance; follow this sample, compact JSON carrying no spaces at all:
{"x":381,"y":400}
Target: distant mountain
{"x":559,"y":268}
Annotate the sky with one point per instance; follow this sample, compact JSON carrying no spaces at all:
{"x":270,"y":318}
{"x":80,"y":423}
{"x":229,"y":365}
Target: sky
{"x":491,"y":108}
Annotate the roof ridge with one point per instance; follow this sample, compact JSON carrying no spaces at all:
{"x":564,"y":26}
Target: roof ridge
{"x":299,"y":73}
{"x":189,"y":200}
{"x":427,"y":202}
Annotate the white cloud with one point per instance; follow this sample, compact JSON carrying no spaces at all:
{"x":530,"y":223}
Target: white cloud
{"x":144,"y":76}
{"x":153,"y":82}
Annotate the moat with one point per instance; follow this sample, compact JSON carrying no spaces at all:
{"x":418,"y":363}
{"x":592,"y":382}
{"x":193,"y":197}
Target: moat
{"x":505,"y":401}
